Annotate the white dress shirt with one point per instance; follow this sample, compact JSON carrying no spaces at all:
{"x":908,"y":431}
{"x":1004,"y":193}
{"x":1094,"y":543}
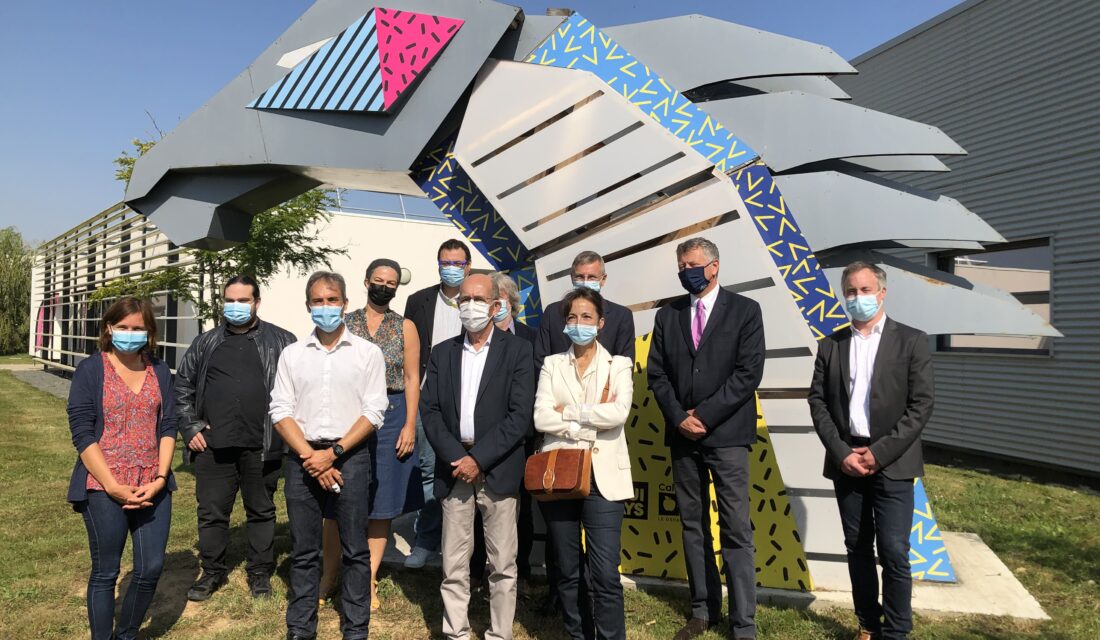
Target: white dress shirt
{"x":708,"y":305}
{"x":473,"y":365}
{"x":326,"y":391}
{"x":861,"y":366}
{"x":445,"y":324}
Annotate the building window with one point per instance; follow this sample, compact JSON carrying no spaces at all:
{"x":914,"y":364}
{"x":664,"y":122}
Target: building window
{"x":1020,"y":268}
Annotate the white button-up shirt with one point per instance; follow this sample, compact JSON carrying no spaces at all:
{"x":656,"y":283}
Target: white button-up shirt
{"x":861,"y":366}
{"x":445,"y":323}
{"x":473,"y":366}
{"x":326,"y":391}
{"x":708,"y":305}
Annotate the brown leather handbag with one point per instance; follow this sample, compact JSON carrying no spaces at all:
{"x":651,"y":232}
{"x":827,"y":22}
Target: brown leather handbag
{"x":561,"y":474}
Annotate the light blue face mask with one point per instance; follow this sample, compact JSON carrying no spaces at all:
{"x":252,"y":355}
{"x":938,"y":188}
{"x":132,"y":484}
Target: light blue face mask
{"x":129,"y":341}
{"x":452,"y":276}
{"x":237,"y":313}
{"x":862,"y":308}
{"x":327,"y":319}
{"x":581,"y":334}
{"x":587,"y":284}
{"x":502,"y":315}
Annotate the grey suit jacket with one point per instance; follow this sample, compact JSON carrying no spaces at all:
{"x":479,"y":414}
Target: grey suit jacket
{"x":901,"y":399}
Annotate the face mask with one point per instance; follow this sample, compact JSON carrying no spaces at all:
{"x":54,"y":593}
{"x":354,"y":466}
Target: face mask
{"x":590,"y":284}
{"x":694,"y":280}
{"x":581,"y":334}
{"x":237,"y":313}
{"x":474,"y":315}
{"x":862,"y":308}
{"x":502,"y":315}
{"x":129,"y":341}
{"x":380,"y":294}
{"x":452,"y":276}
{"x":327,"y":319}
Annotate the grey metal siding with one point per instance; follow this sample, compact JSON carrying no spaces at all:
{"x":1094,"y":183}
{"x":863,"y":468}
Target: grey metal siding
{"x":1016,"y":83}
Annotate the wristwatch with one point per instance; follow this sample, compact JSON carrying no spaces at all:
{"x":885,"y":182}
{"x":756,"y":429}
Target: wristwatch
{"x":337,"y":450}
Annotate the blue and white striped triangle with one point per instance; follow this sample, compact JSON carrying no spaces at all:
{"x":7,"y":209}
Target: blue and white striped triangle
{"x":343,"y":75}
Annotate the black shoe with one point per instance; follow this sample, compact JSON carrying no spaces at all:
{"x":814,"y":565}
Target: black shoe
{"x":205,"y":586}
{"x":260,"y":585}
{"x":693,"y":629}
{"x":290,"y":635}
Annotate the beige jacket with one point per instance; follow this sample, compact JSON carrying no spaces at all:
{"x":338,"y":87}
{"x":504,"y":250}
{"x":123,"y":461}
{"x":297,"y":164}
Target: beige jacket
{"x":585,"y":421}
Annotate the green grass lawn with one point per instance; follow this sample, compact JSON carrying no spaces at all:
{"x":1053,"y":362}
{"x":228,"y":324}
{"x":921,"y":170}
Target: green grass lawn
{"x":1046,"y":533}
{"x":16,"y":358}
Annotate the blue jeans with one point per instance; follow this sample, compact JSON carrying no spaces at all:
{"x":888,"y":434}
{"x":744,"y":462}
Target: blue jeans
{"x":602,"y":520}
{"x":108,"y":525}
{"x":429,"y":520}
{"x":306,"y":501}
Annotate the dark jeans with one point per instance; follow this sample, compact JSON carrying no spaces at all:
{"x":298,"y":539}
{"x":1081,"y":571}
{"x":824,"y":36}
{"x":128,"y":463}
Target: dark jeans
{"x":602,"y":520}
{"x":305,"y":503}
{"x":218,"y":475}
{"x":692,"y":470}
{"x":108,"y":524}
{"x":878,"y":510}
{"x":428,"y":527}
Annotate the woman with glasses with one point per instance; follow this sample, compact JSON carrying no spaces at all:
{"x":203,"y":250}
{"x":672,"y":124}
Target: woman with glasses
{"x":122,"y":416}
{"x":583,"y":399}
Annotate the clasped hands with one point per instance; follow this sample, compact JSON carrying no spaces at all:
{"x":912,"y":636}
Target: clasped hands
{"x":132,"y":498}
{"x":692,"y":427}
{"x":466,"y":469}
{"x":318,"y":464}
{"x":861,"y":462}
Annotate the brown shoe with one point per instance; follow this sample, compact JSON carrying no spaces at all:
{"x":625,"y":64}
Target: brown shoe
{"x":693,"y":629}
{"x":864,"y":634}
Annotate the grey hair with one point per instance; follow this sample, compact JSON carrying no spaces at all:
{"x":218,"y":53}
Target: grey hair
{"x":710,"y":250}
{"x":587,"y":257}
{"x":859,"y":265}
{"x":330,"y":277}
{"x":507,"y":288}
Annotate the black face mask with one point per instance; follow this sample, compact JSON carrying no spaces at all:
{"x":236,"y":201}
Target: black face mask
{"x":380,"y":294}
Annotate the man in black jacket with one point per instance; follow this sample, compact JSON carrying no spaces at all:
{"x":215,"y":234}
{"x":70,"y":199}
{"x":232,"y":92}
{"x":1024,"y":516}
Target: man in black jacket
{"x":434,"y":313}
{"x":477,"y":409}
{"x":223,"y":385}
{"x":617,"y":335}
{"x":705,"y":363}
{"x":871,"y":396}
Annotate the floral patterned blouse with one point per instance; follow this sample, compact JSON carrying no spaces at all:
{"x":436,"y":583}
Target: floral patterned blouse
{"x":390,"y":338}
{"x":129,"y":441}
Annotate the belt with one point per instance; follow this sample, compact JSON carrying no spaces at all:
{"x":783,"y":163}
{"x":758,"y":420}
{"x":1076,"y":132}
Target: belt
{"x":391,"y":392}
{"x":860,"y":441}
{"x":321,"y":444}
{"x":467,"y":445}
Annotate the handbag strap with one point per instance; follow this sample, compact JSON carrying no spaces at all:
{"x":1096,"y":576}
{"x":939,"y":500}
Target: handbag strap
{"x":606,"y":388}
{"x":548,"y":475}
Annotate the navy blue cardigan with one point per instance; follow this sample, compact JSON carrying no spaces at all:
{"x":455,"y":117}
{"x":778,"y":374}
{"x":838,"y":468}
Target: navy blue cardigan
{"x":86,"y":416}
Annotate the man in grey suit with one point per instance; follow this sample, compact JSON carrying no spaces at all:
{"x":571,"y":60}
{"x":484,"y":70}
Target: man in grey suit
{"x":871,"y":396}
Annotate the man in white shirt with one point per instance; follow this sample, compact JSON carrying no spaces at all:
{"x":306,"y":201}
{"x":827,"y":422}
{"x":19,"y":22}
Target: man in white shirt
{"x":872,"y":394}
{"x":329,"y":396}
{"x":477,"y":403}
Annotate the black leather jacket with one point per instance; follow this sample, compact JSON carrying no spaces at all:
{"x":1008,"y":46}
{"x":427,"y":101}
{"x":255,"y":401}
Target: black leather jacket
{"x":191,"y":379}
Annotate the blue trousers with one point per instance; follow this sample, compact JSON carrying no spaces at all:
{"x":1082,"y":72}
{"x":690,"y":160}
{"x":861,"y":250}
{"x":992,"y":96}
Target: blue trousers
{"x":429,"y":520}
{"x":108,"y":525}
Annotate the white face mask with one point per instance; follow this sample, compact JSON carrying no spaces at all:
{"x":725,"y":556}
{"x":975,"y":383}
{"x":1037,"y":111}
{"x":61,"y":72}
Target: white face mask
{"x":474,"y":315}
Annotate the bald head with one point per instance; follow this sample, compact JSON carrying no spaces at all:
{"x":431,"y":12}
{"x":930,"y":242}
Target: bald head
{"x":479,"y":286}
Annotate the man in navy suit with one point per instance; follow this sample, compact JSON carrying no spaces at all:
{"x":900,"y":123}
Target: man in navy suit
{"x":705,"y":364}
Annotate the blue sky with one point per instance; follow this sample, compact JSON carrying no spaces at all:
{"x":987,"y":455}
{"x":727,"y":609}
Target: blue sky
{"x":82,"y":75}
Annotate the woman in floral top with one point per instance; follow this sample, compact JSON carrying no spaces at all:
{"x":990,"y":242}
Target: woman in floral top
{"x":396,"y":489}
{"x":123,"y":423}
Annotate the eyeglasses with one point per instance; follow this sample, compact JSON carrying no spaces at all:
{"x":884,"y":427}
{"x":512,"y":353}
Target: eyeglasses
{"x":587,"y":278}
{"x":453,"y":263}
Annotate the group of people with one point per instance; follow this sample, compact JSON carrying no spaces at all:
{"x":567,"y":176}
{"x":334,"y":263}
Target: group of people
{"x":373,"y":415}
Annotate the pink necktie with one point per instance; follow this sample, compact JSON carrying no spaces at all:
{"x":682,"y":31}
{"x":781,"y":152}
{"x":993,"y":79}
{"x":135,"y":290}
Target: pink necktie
{"x":699,"y":323}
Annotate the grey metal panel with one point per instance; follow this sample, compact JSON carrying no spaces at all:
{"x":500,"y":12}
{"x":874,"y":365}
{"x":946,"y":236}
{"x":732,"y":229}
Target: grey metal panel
{"x":223,"y":136}
{"x":791,"y":129}
{"x":939,"y":303}
{"x":517,"y":44}
{"x":1017,"y":84}
{"x":836,"y":209}
{"x":899,"y":163}
{"x":710,"y":50}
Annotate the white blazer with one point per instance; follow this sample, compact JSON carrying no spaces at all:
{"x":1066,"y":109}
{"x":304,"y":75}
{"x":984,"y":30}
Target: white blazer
{"x":585,"y":422}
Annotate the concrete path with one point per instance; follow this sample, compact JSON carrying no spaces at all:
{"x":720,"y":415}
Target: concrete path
{"x":47,"y":381}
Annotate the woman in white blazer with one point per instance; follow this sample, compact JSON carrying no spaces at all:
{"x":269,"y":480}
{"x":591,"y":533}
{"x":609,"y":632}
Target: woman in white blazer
{"x":583,"y":400}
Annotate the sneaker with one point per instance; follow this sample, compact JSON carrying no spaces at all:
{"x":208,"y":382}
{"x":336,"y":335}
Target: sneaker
{"x":205,"y":586}
{"x":260,"y":585}
{"x":418,"y":558}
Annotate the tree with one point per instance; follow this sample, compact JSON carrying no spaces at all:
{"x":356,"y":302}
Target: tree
{"x":283,"y":237}
{"x":15,"y":291}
